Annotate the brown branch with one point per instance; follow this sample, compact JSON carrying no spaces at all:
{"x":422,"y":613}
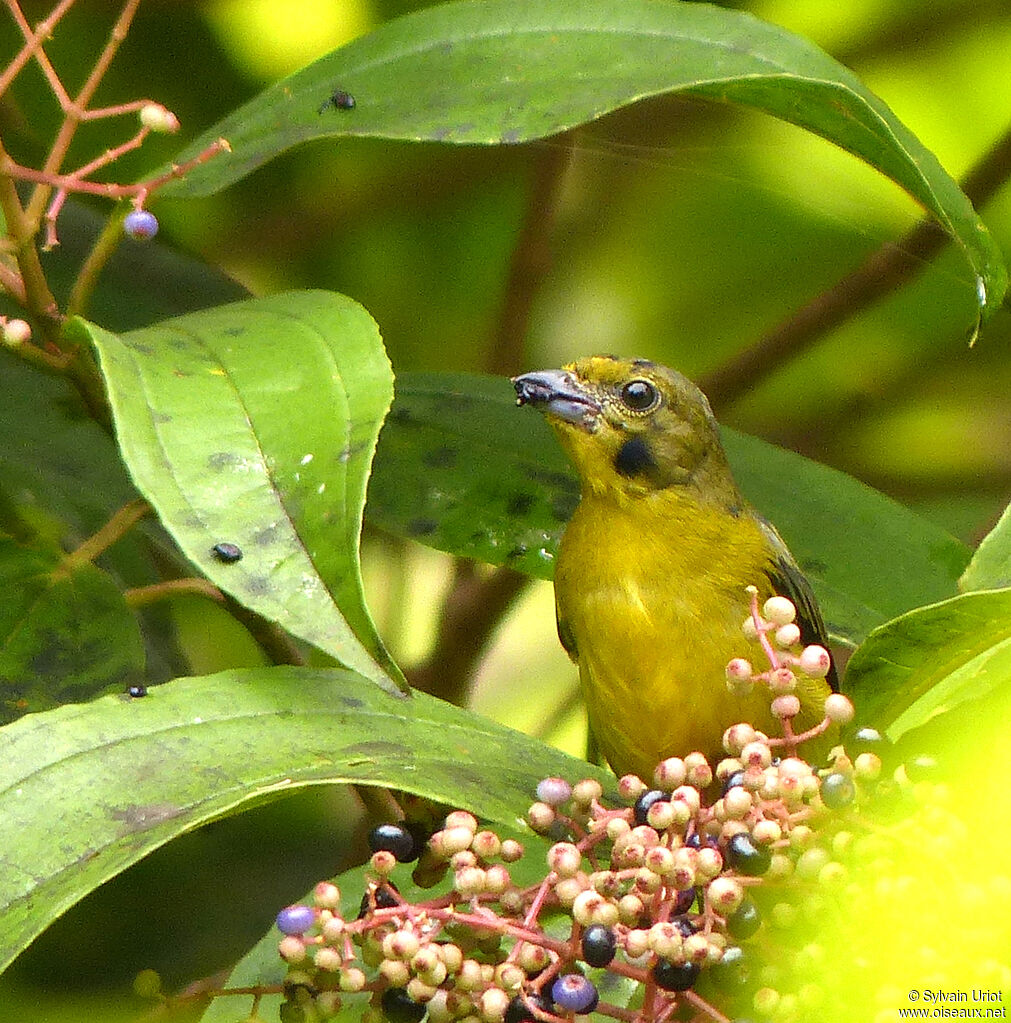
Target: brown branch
{"x":886,"y":270}
{"x":141,"y":596}
{"x":470,"y":613}
{"x":530,"y":258}
{"x":115,"y":529}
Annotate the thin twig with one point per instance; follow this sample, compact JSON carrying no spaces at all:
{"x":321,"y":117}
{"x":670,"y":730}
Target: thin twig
{"x":115,"y":529}
{"x":142,"y":596}
{"x":886,"y":270}
{"x":33,"y":39}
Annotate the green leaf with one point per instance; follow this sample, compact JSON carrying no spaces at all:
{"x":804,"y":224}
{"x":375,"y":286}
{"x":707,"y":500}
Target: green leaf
{"x":117,"y":778}
{"x":460,"y":468}
{"x":507,"y":71}
{"x":990,"y":567}
{"x":933,"y":660}
{"x":255,"y":424}
{"x":66,"y":633}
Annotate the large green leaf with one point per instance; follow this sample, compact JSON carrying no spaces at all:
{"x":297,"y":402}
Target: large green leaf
{"x":990,"y":568}
{"x":460,"y":468}
{"x":255,"y":424}
{"x":506,"y":71}
{"x":66,"y":633}
{"x":933,"y":660}
{"x":116,"y":778}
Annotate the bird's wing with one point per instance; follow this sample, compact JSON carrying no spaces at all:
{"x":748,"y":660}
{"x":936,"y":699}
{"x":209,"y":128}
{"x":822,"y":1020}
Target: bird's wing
{"x":789,"y":581}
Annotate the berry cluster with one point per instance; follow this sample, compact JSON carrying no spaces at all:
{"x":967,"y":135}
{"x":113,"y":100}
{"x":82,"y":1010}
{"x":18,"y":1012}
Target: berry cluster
{"x":651,"y":904}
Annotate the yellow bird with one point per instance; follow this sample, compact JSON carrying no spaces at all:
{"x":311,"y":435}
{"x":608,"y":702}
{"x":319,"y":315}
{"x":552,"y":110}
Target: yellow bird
{"x":652,"y":571}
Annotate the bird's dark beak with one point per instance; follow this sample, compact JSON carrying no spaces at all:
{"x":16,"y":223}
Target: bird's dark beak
{"x":556,"y":392}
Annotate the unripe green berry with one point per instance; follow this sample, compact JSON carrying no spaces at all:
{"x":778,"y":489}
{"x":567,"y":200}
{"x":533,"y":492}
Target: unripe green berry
{"x":724,"y":895}
{"x":698,"y":771}
{"x":451,"y":956}
{"x":419,"y":991}
{"x":585,"y":792}
{"x":493,"y":1004}
{"x":456,"y":839}
{"x":810,"y":863}
{"x":383,"y":863}
{"x":779,"y":610}
{"x":486,"y":844}
{"x":533,"y":958}
{"x":469,"y":976}
{"x":291,"y":948}
{"x":756,"y":754}
{"x":737,"y":803}
{"x":564,"y":859}
{"x":395,"y":972}
{"x":736,"y":737}
{"x":636,"y":943}
{"x":708,"y":864}
{"x":631,"y":787}
{"x":867,"y":767}
{"x":765,"y":1001}
{"x":402,"y":945}
{"x":327,"y":895}
{"x":689,"y":796}
{"x":660,"y":860}
{"x":630,"y":909}
{"x":461,"y":819}
{"x":766,"y":832}
{"x":665,"y":940}
{"x":839,"y":709}
{"x":786,"y":707}
{"x":497,"y":879}
{"x":328,"y":959}
{"x":616,"y":827}
{"x":583,"y":906}
{"x":787,"y":636}
{"x":509,"y":977}
{"x":815,"y":662}
{"x":661,"y":815}
{"x":157,"y":118}
{"x":669,"y":774}
{"x":469,"y":881}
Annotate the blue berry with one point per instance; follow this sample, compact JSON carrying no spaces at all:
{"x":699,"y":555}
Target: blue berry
{"x":140,"y":224}
{"x":599,"y":945}
{"x":675,"y":976}
{"x":137,"y":691}
{"x":744,"y":921}
{"x":684,"y":925}
{"x":837,"y":790}
{"x":684,"y":901}
{"x":399,"y":1007}
{"x":645,"y":801}
{"x":394,"y":838}
{"x":295,"y":919}
{"x":572,"y":992}
{"x":735,"y":780}
{"x":746,"y":857}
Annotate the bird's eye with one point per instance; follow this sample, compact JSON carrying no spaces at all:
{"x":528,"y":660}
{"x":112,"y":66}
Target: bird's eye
{"x":640,"y":395}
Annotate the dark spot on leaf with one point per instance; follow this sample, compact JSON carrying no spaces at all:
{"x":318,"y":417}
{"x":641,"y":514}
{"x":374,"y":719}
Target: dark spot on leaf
{"x":644,"y":363}
{"x":519,"y":504}
{"x":517,"y":552}
{"x":161,"y":417}
{"x":266,"y":536}
{"x":351,"y":702}
{"x":635,"y":458}
{"x":811,"y":566}
{"x":258,"y":585}
{"x":143,"y":818}
{"x":402,"y":416}
{"x":480,"y":536}
{"x":234,"y":331}
{"x":560,"y":480}
{"x":139,"y":346}
{"x":440,"y":458}
{"x":511,"y":137}
{"x":221,"y":460}
{"x":422,"y":527}
{"x":563,"y":506}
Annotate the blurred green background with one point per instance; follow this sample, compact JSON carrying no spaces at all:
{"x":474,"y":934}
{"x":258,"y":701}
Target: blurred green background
{"x":683,"y":232}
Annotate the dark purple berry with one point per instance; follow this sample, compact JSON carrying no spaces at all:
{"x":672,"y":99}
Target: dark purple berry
{"x":744,"y":921}
{"x":384,"y":899}
{"x":735,"y":780}
{"x":399,"y":1007}
{"x":731,"y":973}
{"x":599,"y":945}
{"x":675,"y":976}
{"x":572,"y":992}
{"x":140,"y":225}
{"x":645,"y":801}
{"x":137,"y":691}
{"x":837,"y":790}
{"x":227,"y":552}
{"x":518,"y":1011}
{"x":296,"y":919}
{"x":684,"y":901}
{"x":394,"y":838}
{"x":684,"y":925}
{"x":747,"y":858}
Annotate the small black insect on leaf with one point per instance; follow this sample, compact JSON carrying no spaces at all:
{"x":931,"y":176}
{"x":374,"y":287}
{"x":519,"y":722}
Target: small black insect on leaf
{"x":227,"y":552}
{"x":339,"y":100}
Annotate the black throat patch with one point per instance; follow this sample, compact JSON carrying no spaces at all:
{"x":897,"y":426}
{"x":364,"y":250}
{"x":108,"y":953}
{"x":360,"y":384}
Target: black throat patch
{"x":635,"y":458}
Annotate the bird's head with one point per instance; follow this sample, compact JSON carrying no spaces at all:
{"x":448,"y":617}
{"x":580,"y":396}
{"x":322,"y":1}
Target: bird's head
{"x":632,"y":426}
